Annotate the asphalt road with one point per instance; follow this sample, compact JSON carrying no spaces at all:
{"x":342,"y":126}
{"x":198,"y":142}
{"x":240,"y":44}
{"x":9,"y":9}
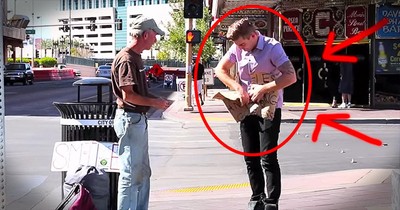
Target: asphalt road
{"x":37,"y":99}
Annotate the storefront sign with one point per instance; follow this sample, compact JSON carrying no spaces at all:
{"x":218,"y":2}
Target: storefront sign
{"x":294,"y":16}
{"x":387,"y":56}
{"x":392,"y":29}
{"x":319,"y":22}
{"x":356,"y":20}
{"x":209,"y":76}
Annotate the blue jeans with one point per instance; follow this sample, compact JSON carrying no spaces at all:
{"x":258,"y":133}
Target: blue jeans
{"x":134,"y":164}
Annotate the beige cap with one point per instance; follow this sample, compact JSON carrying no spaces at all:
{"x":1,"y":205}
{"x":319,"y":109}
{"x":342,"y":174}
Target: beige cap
{"x":141,"y":24}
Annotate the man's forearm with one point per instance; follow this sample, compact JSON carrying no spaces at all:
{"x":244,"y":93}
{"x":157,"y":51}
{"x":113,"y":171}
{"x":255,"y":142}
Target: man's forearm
{"x":228,"y":80}
{"x":140,"y":100}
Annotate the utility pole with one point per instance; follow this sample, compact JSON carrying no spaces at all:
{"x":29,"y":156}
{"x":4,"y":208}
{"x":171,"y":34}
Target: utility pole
{"x":2,"y":113}
{"x":70,"y":27}
{"x":188,"y":81}
{"x":33,"y":35}
{"x":192,"y":9}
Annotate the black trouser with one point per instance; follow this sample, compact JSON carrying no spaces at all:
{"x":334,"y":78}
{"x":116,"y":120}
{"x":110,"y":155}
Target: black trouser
{"x":261,"y":135}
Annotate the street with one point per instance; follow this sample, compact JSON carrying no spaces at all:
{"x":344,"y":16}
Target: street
{"x":184,"y":156}
{"x":37,"y":99}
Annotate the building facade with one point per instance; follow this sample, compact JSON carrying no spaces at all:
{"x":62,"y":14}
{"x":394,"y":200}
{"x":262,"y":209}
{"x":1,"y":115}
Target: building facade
{"x":105,"y":41}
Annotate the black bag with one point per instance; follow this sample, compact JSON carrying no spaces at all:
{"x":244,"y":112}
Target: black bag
{"x":96,"y":181}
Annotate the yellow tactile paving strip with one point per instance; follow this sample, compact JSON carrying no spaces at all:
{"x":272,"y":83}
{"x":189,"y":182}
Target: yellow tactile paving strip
{"x":210,"y":188}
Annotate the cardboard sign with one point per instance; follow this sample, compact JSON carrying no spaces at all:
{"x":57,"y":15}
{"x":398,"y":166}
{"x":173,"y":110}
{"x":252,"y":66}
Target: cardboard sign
{"x":70,"y":154}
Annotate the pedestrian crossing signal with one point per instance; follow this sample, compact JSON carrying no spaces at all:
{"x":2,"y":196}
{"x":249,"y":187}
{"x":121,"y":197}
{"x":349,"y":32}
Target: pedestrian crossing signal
{"x":193,"y":36}
{"x":193,"y":9}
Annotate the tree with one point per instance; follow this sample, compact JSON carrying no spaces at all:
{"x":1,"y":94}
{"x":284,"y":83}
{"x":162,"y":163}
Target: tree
{"x":46,"y":44}
{"x":174,"y":44}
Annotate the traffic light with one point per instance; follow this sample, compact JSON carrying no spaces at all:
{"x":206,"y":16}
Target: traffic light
{"x":92,"y":25}
{"x":193,"y":36}
{"x":193,"y":9}
{"x":65,"y":27}
{"x":36,"y":53}
{"x":119,"y":24}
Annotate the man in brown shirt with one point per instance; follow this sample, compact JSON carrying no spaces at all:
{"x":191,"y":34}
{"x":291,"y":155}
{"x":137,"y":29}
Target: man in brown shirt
{"x":130,"y":123}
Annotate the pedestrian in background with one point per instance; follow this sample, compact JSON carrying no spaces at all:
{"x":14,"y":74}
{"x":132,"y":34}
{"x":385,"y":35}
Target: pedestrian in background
{"x":346,"y":84}
{"x":200,"y":73}
{"x":256,"y":54}
{"x":130,"y":122}
{"x":333,"y":79}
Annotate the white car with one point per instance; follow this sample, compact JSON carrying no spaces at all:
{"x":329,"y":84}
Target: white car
{"x":103,"y":71}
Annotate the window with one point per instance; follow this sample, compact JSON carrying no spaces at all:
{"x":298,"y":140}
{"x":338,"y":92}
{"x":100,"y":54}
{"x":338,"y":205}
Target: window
{"x":106,"y":43}
{"x":106,"y":35}
{"x":97,"y":4}
{"x":148,"y":2}
{"x":104,"y":3}
{"x":121,"y":3}
{"x":78,"y":36}
{"x":83,"y":4}
{"x":76,"y":19}
{"x":92,"y":35}
{"x":156,"y":1}
{"x":76,"y":6}
{"x":63,"y":5}
{"x":105,"y":26}
{"x":106,"y":52}
{"x":77,"y":28}
{"x":111,"y":3}
{"x":140,"y":2}
{"x":105,"y":18}
{"x":90,"y":4}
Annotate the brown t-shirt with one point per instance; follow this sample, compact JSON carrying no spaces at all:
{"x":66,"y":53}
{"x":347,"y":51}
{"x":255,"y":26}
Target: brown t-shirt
{"x":128,"y":70}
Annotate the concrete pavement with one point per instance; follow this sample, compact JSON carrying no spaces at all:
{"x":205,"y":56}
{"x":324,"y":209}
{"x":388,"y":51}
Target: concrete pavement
{"x":214,"y":110}
{"x":31,"y":185}
{"x":362,"y":189}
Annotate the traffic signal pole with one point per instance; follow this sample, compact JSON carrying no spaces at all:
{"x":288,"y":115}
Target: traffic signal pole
{"x":188,"y":80}
{"x":2,"y":113}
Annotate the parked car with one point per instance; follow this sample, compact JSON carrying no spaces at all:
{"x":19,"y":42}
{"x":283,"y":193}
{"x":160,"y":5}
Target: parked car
{"x":103,"y":71}
{"x":18,"y":72}
{"x":77,"y":72}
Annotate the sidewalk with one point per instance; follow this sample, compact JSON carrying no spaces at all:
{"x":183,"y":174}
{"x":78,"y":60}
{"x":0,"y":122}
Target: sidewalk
{"x":215,"y":111}
{"x":362,"y":189}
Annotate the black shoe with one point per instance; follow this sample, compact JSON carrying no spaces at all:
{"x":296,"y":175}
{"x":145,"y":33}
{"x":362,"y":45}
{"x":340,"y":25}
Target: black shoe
{"x":270,"y":204}
{"x":256,"y":205}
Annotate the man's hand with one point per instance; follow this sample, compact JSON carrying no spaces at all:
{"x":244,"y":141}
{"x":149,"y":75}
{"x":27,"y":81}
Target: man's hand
{"x":244,"y":96}
{"x":256,"y":92}
{"x":161,"y":103}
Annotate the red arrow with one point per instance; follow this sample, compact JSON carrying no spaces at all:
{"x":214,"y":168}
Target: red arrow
{"x":329,"y":50}
{"x":329,"y":119}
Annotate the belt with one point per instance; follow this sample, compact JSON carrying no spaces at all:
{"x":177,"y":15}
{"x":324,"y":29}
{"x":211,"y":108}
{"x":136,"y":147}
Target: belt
{"x":132,"y":111}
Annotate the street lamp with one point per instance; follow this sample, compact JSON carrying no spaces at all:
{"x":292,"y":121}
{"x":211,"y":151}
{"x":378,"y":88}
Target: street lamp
{"x":62,"y":42}
{"x":39,"y":45}
{"x":55,"y":49}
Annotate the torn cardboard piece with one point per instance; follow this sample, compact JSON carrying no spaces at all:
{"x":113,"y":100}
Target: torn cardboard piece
{"x":265,"y":108}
